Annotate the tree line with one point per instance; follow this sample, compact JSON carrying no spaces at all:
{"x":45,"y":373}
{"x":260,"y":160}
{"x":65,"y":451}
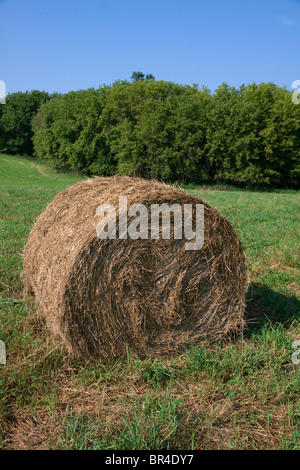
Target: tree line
{"x":157,"y":129}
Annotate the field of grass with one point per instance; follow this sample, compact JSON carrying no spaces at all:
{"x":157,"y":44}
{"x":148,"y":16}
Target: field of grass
{"x":243,"y":395}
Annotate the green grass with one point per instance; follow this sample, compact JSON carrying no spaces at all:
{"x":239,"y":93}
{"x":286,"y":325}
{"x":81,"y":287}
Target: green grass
{"x":243,"y":395}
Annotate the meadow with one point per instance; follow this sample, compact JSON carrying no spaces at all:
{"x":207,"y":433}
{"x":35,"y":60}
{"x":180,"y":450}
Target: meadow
{"x":238,"y":395}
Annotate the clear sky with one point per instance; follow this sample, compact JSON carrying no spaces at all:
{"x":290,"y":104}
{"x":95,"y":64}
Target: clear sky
{"x":63,"y":45}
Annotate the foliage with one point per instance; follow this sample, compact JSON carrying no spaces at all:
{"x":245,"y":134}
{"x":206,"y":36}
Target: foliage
{"x":156,"y":129}
{"x":15,"y":121}
{"x":141,"y":76}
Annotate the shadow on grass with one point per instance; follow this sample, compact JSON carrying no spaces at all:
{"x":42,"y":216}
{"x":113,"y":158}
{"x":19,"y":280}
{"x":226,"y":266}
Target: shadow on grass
{"x":266,"y":306}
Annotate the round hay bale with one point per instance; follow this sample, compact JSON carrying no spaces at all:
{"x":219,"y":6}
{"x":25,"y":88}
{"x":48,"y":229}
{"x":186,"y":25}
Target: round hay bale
{"x":103,"y":296}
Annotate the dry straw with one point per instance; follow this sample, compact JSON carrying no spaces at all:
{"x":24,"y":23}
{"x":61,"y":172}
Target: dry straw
{"x":102,"y":296}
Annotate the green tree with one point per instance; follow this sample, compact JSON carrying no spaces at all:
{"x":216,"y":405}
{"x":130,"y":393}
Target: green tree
{"x":136,"y":76}
{"x":158,"y":129}
{"x":68,"y":132}
{"x":233,"y":144}
{"x":15,"y":124}
{"x":278,"y":127}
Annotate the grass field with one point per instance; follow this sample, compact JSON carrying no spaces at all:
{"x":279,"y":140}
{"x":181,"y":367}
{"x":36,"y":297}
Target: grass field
{"x":243,"y":395}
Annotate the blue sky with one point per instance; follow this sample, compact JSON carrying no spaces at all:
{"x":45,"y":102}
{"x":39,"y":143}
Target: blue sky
{"x":69,"y":44}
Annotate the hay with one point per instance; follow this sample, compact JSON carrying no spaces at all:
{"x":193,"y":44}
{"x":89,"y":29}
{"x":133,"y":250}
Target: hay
{"x":103,"y":296}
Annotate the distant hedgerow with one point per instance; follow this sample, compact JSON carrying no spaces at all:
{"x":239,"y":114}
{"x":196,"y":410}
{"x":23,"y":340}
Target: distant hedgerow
{"x":156,"y":129}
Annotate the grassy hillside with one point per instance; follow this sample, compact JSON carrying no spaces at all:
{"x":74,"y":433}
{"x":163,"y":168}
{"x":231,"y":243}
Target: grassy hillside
{"x":235,"y":396}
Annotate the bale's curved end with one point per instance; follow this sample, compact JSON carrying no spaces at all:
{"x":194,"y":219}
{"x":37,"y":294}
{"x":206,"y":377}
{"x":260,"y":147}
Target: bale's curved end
{"x":102,"y":296}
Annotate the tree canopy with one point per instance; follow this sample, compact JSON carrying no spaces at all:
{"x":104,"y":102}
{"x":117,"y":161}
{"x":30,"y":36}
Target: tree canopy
{"x":158,"y":129}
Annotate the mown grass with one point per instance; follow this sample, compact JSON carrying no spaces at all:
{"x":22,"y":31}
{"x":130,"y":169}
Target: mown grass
{"x":242,"y":395}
